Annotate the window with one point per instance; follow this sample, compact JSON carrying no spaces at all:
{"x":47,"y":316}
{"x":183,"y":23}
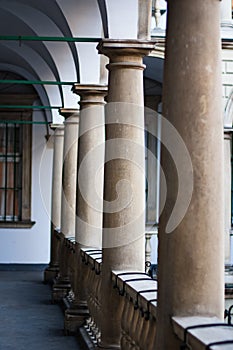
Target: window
{"x":15,"y":169}
{"x":10,"y":172}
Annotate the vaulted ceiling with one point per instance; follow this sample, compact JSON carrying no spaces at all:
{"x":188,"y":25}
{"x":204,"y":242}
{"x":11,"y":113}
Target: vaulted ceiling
{"x":57,"y":60}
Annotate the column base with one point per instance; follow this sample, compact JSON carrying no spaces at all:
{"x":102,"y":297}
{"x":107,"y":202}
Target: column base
{"x":69,"y":301}
{"x":74,"y":319}
{"x":84,"y":339}
{"x":101,"y":345}
{"x":50,"y":274}
{"x":60,"y":290}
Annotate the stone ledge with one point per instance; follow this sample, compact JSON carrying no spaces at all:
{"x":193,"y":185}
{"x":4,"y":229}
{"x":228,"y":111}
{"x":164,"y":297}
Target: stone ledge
{"x":142,"y":291}
{"x":92,"y":257}
{"x":213,"y":331}
{"x":84,"y":339}
{"x":17,"y":224}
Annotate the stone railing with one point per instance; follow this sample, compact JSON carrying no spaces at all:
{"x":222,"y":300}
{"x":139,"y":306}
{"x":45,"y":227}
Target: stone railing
{"x":70,"y":269}
{"x":62,"y":283}
{"x":57,"y":237}
{"x":203,"y":333}
{"x":139,"y":297}
{"x":156,"y":11}
{"x":92,"y":259}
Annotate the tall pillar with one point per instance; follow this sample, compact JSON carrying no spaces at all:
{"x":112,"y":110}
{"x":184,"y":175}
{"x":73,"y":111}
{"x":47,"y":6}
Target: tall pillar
{"x":89,"y":208}
{"x":124,"y":176}
{"x":144,"y":19}
{"x":227,"y":185}
{"x":89,"y":198}
{"x":53,"y":268}
{"x":69,"y":177}
{"x":191,"y":251}
{"x":68,"y":199}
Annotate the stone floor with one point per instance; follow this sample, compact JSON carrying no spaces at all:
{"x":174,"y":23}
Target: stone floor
{"x":28,"y":319}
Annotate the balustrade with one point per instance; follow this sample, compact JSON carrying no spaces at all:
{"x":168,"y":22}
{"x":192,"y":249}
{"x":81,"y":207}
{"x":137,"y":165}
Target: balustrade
{"x":70,"y":269}
{"x":92,"y":259}
{"x":62,"y":284}
{"x":137,"y":298}
{"x":156,"y":11}
{"x":203,"y":333}
{"x":138,"y":294}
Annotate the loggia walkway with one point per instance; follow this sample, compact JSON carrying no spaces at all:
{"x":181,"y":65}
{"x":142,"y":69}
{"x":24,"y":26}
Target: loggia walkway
{"x":28,"y":319}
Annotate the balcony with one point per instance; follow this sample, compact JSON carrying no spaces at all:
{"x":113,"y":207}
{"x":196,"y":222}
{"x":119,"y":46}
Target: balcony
{"x":135,"y":293}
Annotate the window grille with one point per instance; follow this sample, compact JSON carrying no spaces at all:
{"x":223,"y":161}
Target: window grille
{"x":10,"y":172}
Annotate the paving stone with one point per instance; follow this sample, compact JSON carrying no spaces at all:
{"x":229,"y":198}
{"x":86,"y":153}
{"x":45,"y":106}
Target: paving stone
{"x":28,"y":319}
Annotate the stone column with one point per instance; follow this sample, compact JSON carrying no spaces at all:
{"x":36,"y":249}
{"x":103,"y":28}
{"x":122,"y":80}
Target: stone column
{"x":191,"y":238}
{"x":89,"y":202}
{"x":124,"y":177}
{"x":90,"y":165}
{"x":68,"y":197}
{"x":144,"y":19}
{"x":53,"y":268}
{"x":69,"y":171}
{"x":227,"y":201}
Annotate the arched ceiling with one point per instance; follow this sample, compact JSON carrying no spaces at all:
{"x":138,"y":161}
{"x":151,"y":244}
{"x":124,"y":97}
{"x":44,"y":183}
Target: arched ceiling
{"x":49,"y":60}
{"x":62,"y":61}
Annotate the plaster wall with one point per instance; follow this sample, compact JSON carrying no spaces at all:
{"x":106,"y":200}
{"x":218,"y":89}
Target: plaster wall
{"x":32,"y":245}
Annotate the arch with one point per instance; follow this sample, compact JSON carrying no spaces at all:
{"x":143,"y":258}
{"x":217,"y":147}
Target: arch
{"x":42,"y":94}
{"x":85,"y":20}
{"x":59,"y":53}
{"x":104,"y":16}
{"x":28,"y":60}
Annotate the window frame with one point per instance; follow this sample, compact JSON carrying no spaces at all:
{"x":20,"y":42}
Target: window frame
{"x":26,"y":129}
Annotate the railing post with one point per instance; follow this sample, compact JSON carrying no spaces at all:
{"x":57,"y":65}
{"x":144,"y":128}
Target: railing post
{"x":156,"y":11}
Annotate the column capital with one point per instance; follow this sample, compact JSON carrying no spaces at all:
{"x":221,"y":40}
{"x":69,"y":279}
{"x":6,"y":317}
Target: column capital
{"x":58,"y":129}
{"x":71,"y":115}
{"x":133,"y":47}
{"x":68,"y":112}
{"x":91,"y":94}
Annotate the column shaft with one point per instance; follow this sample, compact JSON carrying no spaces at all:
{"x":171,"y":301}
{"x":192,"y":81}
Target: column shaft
{"x":89,"y":208}
{"x":69,"y":179}
{"x":58,"y":136}
{"x":57,"y":175}
{"x":227,"y":201}
{"x":124,"y":177}
{"x":144,"y":19}
{"x":69,"y":172}
{"x":191,"y":255}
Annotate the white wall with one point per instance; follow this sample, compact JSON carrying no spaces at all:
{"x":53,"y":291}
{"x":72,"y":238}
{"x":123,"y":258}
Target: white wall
{"x":122,"y":18}
{"x":32,"y":245}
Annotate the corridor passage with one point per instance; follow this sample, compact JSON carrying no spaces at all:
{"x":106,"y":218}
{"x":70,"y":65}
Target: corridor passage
{"x":28,"y":319}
